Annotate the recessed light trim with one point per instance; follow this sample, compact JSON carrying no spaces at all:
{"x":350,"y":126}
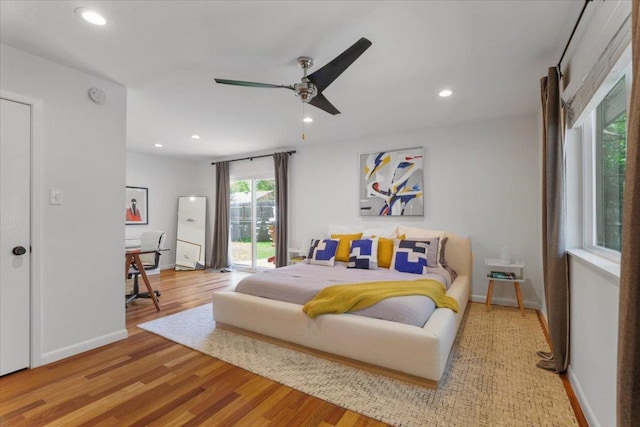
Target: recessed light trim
{"x":90,"y":16}
{"x":158,"y":145}
{"x":307,"y":120}
{"x":194,"y":136}
{"x":445,"y":92}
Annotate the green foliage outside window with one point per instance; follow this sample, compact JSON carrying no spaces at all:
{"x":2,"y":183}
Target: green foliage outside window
{"x":244,"y":186}
{"x":611,"y":158}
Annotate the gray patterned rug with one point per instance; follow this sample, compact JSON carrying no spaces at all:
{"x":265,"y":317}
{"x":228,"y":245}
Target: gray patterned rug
{"x":491,"y":378}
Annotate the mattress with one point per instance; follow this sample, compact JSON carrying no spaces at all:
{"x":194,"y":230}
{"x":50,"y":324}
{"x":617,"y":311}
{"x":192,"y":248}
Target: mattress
{"x":299,"y":283}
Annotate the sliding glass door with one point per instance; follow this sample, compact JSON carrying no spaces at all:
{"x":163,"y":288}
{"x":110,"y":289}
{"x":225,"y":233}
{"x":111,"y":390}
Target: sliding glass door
{"x":252,"y":223}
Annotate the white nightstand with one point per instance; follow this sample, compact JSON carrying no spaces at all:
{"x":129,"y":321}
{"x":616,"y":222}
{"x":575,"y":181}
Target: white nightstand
{"x":296,"y":255}
{"x":498,"y":271}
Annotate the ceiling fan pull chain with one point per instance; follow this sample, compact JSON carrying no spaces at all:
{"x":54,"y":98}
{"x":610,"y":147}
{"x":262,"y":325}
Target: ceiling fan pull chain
{"x":303,"y":137}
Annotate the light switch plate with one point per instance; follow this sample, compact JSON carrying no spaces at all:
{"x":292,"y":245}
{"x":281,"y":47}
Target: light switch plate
{"x":55,"y":197}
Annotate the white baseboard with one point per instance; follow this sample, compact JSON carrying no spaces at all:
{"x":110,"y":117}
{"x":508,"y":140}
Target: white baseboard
{"x":510,"y":302}
{"x":582,"y":399}
{"x":72,"y":350}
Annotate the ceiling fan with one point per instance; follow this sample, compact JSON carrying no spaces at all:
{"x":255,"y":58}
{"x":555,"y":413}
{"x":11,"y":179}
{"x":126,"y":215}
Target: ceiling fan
{"x":310,"y":88}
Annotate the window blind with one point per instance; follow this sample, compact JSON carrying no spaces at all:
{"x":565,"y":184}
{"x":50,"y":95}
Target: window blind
{"x":586,"y":92}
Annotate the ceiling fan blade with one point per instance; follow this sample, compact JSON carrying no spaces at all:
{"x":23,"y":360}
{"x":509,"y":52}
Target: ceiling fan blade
{"x":250,"y":84}
{"x":323,"y":103}
{"x":327,"y":74}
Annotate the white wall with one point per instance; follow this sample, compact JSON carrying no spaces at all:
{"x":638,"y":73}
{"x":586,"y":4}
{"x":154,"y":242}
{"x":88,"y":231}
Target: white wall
{"x":167,"y":179}
{"x":594,"y":292}
{"x":594,"y":340}
{"x":482,"y":180}
{"x":78,"y":148}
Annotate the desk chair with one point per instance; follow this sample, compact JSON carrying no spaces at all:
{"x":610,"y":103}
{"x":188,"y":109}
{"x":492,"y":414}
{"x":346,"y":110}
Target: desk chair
{"x":148,"y":240}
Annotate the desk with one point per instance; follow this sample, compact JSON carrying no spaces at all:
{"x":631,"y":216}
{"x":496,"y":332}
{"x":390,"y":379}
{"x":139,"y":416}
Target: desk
{"x":132,"y":257}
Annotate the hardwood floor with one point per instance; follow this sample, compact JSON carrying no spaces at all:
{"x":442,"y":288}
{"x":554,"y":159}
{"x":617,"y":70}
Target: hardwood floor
{"x":148,"y":380}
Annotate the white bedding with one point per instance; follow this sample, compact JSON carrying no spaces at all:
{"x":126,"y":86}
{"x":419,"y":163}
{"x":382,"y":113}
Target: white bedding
{"x":301,"y":282}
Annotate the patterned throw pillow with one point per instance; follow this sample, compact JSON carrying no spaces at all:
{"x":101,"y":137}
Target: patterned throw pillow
{"x":364,"y":254}
{"x":323,"y":252}
{"x":432,"y":255}
{"x":410,"y":256}
{"x":421,"y":234}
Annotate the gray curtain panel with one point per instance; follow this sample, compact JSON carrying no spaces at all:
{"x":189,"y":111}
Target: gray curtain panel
{"x":629,"y":317}
{"x":220,"y":251}
{"x":281,"y":162}
{"x":554,"y":257}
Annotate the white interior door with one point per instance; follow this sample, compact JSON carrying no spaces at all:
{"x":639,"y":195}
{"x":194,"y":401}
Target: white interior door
{"x":15,"y":212}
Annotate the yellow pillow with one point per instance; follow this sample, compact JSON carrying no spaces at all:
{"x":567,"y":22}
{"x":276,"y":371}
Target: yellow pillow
{"x":385,"y":251}
{"x":344,"y":247}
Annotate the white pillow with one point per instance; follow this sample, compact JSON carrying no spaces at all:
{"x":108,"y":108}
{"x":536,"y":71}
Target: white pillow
{"x":388,"y":232}
{"x":344,"y":229}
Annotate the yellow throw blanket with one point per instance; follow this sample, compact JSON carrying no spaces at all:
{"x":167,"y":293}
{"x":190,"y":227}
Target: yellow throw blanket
{"x":343,"y":298}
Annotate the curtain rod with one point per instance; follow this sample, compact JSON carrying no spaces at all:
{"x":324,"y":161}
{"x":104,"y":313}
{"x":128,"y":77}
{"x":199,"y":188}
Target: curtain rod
{"x":575,"y":27}
{"x":255,"y":157}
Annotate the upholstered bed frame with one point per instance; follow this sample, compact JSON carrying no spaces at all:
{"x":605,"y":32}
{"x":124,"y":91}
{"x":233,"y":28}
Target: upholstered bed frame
{"x":410,"y":353}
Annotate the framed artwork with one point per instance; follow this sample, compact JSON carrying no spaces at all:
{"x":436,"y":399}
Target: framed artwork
{"x":391,"y":183}
{"x":137,"y":206}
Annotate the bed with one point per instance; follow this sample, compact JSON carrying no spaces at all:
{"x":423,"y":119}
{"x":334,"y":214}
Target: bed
{"x":411,"y":353}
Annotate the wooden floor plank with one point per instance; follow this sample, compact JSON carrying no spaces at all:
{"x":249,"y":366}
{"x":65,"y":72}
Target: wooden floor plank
{"x":257,"y":415}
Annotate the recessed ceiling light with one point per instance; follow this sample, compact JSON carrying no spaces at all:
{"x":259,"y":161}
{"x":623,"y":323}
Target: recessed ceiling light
{"x":195,"y":136}
{"x":307,"y":120}
{"x":444,"y":93}
{"x":90,"y":16}
{"x":157,"y":145}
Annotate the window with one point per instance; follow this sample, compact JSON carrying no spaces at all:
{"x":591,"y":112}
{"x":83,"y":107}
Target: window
{"x":610,"y":161}
{"x":605,"y":133}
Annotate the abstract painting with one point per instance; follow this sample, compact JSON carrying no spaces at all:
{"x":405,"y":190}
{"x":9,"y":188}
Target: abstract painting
{"x":391,"y":183}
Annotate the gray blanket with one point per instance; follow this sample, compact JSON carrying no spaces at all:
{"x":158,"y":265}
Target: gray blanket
{"x":301,"y":282}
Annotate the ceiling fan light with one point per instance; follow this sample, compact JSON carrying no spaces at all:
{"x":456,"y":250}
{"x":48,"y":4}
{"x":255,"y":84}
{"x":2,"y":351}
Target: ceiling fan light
{"x":90,"y":16}
{"x":445,"y":92}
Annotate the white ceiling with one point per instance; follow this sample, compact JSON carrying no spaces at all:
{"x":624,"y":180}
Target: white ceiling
{"x":490,"y":53}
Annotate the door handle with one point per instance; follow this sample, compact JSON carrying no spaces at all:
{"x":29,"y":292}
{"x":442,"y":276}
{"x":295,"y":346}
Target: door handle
{"x":19,"y":250}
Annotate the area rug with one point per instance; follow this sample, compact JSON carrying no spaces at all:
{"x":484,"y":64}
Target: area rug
{"x":491,"y":378}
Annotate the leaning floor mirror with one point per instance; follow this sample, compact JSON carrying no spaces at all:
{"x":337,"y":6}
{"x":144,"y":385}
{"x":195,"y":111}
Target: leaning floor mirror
{"x":191,"y":233}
